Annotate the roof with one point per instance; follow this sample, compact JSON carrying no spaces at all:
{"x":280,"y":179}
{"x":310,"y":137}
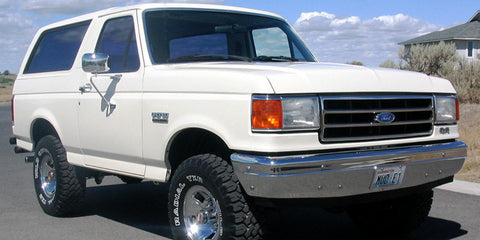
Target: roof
{"x":466,"y":31}
{"x":475,"y":17}
{"x":164,"y":6}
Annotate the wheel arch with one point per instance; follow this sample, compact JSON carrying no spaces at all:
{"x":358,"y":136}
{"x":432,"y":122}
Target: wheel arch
{"x":194,"y":141}
{"x":40,"y":128}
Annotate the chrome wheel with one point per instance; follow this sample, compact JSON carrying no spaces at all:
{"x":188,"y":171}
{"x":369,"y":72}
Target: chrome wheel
{"x":48,"y":179}
{"x":202,"y":214}
{"x":59,"y":186}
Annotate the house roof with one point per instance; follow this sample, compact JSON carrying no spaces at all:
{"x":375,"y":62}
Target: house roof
{"x":466,"y":31}
{"x":475,"y":17}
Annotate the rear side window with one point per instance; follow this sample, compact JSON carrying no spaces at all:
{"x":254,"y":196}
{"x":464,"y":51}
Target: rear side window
{"x":118,"y":41}
{"x":57,"y":48}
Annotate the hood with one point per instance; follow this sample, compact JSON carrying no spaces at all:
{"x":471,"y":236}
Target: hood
{"x":292,"y":78}
{"x":325,"y":77}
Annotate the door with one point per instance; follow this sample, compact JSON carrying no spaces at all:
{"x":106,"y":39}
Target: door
{"x":111,"y":134}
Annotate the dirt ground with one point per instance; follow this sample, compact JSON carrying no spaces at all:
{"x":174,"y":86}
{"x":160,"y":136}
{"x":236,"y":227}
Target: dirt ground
{"x":5,"y":94}
{"x":469,"y":132}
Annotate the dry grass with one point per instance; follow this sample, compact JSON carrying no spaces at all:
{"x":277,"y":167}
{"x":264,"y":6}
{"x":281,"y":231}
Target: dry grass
{"x":6,"y":82}
{"x":5,"y":94}
{"x":470,"y":134}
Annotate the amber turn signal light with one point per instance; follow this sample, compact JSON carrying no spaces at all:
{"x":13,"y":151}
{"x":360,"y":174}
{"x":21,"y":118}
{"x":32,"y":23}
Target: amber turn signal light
{"x":267,"y":114}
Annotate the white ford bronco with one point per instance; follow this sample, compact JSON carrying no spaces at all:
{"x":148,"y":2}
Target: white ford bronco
{"x":231,"y":108}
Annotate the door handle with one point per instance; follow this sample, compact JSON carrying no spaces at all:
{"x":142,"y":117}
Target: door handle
{"x":86,"y":88}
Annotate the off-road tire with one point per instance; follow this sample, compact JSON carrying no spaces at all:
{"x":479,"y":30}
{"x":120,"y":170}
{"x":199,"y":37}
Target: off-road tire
{"x":400,"y":215}
{"x":67,"y":185}
{"x":212,"y":175}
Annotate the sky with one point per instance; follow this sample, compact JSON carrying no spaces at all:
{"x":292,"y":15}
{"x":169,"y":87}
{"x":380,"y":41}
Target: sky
{"x":340,"y":31}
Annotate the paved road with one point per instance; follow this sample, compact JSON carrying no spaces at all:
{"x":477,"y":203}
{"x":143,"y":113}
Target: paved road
{"x":118,"y":211}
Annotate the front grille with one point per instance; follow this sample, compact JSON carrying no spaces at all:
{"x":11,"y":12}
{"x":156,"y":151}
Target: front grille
{"x":355,"y":118}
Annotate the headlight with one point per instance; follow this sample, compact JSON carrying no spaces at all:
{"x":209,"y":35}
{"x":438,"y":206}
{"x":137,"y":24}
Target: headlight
{"x":446,"y":109}
{"x":285,"y":113}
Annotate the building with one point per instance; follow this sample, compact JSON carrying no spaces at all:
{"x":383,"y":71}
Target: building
{"x":465,"y":36}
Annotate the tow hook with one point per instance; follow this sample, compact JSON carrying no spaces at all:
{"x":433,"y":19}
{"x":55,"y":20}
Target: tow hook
{"x":29,"y":159}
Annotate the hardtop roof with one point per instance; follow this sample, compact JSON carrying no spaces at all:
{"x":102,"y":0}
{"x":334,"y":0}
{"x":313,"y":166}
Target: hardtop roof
{"x":160,"y":6}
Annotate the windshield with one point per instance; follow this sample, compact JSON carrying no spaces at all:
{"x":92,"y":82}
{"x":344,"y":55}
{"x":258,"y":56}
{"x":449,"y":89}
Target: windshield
{"x":189,"y":36}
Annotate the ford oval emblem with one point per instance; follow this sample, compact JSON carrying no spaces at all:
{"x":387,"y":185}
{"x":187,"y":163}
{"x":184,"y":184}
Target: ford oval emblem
{"x":384,"y":117}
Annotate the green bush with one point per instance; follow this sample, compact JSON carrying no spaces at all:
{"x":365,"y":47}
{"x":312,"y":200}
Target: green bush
{"x":389,"y":64}
{"x":441,"y":60}
{"x":428,"y":58}
{"x":465,"y":76}
{"x":5,"y":80}
{"x":356,"y":63}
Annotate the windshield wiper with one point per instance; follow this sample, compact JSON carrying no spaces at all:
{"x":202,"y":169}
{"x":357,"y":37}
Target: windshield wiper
{"x":275,"y":59}
{"x":208,"y":57}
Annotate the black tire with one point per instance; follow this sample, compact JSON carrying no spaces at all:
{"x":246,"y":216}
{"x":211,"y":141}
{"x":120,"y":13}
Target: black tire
{"x":130,"y":180}
{"x":59,"y":187}
{"x":400,"y":215}
{"x":207,"y":180}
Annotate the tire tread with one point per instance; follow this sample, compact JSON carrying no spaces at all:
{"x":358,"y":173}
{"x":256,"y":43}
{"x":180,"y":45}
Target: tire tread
{"x":247,"y":224}
{"x":70,"y":188}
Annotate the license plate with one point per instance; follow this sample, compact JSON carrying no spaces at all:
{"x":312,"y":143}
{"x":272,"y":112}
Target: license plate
{"x":387,"y":176}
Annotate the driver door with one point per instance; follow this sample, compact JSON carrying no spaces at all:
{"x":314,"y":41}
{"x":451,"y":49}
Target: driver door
{"x":110,"y":134}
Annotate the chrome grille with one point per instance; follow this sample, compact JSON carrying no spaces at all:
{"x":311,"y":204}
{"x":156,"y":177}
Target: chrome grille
{"x":353,"y":118}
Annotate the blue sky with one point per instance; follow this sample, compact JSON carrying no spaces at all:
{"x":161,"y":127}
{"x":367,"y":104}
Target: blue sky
{"x":440,"y":12}
{"x":335,"y":30}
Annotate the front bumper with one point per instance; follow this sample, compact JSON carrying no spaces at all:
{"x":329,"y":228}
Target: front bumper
{"x":345,"y":174}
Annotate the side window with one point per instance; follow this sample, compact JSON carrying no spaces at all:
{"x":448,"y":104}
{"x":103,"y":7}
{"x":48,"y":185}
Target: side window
{"x":202,"y":44}
{"x":118,"y":41}
{"x":56,"y":49}
{"x":271,"y":42}
{"x":298,"y":54}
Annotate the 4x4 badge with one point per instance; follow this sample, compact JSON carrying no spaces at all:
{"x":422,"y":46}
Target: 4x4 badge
{"x":384,"y":117}
{"x":160,"y":117}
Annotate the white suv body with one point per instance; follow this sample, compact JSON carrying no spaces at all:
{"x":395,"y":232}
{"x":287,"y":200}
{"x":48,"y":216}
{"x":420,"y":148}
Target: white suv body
{"x":148,"y":115}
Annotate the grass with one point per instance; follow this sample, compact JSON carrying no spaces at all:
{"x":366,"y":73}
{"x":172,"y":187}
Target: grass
{"x":6,"y":82}
{"x":5,"y":93}
{"x":7,"y":79}
{"x":469,"y":127}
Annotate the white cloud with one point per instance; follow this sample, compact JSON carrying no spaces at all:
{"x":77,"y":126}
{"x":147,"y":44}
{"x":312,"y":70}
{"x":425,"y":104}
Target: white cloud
{"x":5,"y":4}
{"x":314,"y":21}
{"x":345,"y":39}
{"x":17,"y":32}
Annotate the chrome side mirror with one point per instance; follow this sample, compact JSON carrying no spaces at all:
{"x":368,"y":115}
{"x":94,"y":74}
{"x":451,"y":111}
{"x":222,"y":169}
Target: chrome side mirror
{"x":95,"y":63}
{"x":98,"y":63}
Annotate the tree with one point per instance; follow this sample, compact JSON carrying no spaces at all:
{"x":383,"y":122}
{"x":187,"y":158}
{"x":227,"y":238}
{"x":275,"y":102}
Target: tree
{"x":6,"y":72}
{"x":356,"y":63}
{"x":389,"y":64}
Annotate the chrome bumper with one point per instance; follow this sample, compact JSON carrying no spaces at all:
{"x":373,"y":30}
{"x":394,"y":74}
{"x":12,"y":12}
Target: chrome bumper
{"x":344,"y":174}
